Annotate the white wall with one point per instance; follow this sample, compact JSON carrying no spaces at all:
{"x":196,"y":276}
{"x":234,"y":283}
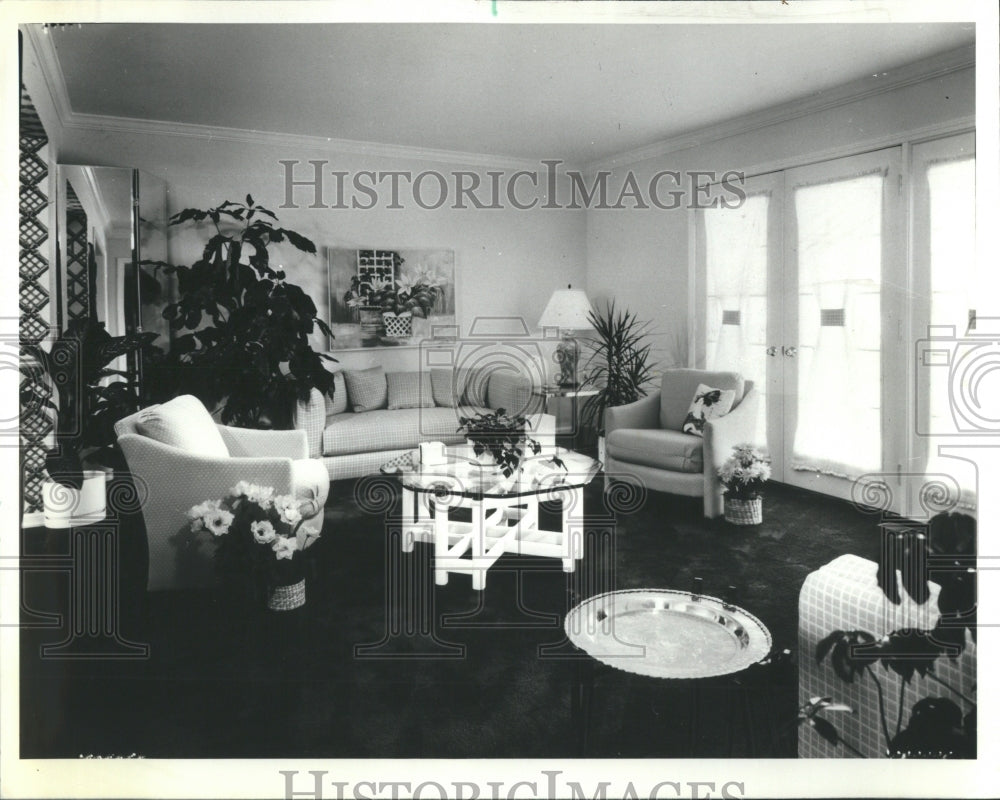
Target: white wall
{"x":640,"y":256}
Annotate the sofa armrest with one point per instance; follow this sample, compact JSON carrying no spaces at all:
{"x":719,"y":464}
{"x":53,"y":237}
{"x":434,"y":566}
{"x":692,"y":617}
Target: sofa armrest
{"x":739,"y":426}
{"x":512,"y":391}
{"x":643,"y":413}
{"x":249,"y":442}
{"x":310,"y":417}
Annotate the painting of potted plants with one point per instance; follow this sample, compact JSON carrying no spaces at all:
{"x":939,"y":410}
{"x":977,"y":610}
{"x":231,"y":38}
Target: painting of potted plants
{"x":384,"y":298}
{"x":243,"y":327}
{"x":88,"y":397}
{"x":618,"y":365}
{"x":396,"y":301}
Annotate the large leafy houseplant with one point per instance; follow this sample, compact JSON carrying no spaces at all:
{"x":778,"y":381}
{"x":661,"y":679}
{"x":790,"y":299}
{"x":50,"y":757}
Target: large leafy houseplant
{"x":618,"y":364}
{"x":937,"y":727}
{"x":90,"y":395}
{"x":247,"y":344}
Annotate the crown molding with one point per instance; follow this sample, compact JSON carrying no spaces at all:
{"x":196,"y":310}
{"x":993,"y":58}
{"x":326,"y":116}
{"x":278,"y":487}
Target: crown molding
{"x":131,"y":125}
{"x":916,"y":72}
{"x":70,"y":119}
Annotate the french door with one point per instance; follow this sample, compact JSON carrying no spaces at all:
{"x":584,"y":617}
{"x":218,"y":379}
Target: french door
{"x":798,"y":289}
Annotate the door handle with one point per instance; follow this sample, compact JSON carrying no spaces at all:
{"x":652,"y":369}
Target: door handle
{"x":789,"y":352}
{"x":772,"y":351}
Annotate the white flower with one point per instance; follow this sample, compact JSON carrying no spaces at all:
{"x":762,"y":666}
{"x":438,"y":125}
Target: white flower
{"x":263,"y":532}
{"x":261,"y":495}
{"x":218,"y":522}
{"x":288,"y":508}
{"x":284,"y":547}
{"x":199,"y":513}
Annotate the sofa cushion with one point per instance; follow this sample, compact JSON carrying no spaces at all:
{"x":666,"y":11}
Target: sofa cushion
{"x":409,"y":390}
{"x":471,"y":386}
{"x":366,"y":388}
{"x":708,"y":403}
{"x":390,"y":430}
{"x":443,"y":387}
{"x":679,"y":385}
{"x":185,"y":424}
{"x":662,"y":449}
{"x":336,"y":400}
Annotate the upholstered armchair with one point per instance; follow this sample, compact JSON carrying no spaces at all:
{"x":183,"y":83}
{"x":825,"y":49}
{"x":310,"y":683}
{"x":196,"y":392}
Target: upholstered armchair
{"x":178,"y":457}
{"x":645,"y":443}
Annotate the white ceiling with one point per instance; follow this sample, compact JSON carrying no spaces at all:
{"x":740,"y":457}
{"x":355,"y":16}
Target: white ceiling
{"x":577,"y":92}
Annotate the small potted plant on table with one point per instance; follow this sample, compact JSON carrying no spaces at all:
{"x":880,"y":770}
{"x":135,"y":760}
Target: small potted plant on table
{"x":498,"y":438}
{"x":743,"y":476}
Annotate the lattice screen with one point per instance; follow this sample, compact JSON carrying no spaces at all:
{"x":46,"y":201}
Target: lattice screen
{"x":77,"y":274}
{"x":33,"y":294}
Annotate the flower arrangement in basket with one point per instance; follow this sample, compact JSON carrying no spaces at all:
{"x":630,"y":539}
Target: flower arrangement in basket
{"x":501,"y":436}
{"x":260,"y":535}
{"x":743,"y":475}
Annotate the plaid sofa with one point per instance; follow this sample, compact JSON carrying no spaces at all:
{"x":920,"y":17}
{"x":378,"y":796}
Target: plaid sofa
{"x":353,"y":444}
{"x":844,"y":595}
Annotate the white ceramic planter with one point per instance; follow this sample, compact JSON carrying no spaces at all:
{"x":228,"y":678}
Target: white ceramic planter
{"x":65,"y":507}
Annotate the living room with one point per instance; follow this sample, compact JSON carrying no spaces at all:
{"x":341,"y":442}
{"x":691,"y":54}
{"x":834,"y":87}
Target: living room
{"x":519,"y":160}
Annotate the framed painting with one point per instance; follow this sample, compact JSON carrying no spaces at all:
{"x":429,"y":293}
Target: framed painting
{"x":390,"y":298}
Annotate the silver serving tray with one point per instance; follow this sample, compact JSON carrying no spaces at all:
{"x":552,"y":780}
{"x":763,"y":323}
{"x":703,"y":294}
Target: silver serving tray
{"x":665,"y":633}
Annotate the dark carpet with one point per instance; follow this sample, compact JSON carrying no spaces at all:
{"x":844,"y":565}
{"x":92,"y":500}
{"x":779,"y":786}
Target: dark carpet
{"x":381,"y":663}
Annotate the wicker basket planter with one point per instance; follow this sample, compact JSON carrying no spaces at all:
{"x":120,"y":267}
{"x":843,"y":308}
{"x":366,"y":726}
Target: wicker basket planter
{"x":745,"y":512}
{"x":285,"y":598}
{"x":398,"y":325}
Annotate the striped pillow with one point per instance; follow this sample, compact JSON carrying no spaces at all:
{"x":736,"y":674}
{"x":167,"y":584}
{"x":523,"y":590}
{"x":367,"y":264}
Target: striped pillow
{"x":366,"y":388}
{"x":409,"y":390}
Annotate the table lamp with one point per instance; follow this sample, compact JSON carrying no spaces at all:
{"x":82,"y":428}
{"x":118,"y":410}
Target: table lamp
{"x":568,"y":310}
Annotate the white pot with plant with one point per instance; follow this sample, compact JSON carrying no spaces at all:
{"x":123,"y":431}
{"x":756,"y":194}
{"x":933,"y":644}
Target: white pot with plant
{"x":743,"y":475}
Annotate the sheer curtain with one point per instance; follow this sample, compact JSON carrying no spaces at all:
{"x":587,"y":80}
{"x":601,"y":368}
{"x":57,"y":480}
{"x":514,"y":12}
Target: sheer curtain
{"x":839,"y":249}
{"x":736,"y":258}
{"x":951,"y":205}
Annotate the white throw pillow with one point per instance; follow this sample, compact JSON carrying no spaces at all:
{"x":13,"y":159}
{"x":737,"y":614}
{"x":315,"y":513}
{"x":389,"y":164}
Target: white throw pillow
{"x":185,"y":424}
{"x":708,"y":403}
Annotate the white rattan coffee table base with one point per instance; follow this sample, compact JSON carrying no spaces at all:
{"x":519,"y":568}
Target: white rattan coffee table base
{"x":499,"y":525}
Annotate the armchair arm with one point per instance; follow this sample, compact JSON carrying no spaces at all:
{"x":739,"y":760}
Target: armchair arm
{"x":161,"y":468}
{"x":310,"y":417}
{"x":251,"y":442}
{"x":737,"y":427}
{"x":643,"y":413}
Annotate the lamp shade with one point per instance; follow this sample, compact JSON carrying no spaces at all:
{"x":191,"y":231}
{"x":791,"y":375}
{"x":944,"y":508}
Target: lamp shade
{"x":567,"y":309}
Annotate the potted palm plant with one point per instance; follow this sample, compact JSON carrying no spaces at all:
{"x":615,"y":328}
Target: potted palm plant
{"x":247,"y":344}
{"x":618,"y":365}
{"x":88,"y":401}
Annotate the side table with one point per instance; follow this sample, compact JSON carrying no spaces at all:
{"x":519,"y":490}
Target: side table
{"x":546,"y":393}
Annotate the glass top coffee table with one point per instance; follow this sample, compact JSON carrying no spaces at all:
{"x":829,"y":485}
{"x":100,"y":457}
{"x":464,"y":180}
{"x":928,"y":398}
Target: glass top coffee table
{"x":503,"y":509}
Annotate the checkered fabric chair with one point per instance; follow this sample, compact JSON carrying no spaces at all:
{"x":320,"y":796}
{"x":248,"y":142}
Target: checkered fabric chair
{"x":178,"y":457}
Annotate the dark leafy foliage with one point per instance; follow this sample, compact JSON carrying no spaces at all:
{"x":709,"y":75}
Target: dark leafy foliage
{"x":504,"y":437}
{"x":936,"y":728}
{"x":618,"y":364}
{"x":850,"y":652}
{"x":248,"y":329}
{"x":86,"y":405}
